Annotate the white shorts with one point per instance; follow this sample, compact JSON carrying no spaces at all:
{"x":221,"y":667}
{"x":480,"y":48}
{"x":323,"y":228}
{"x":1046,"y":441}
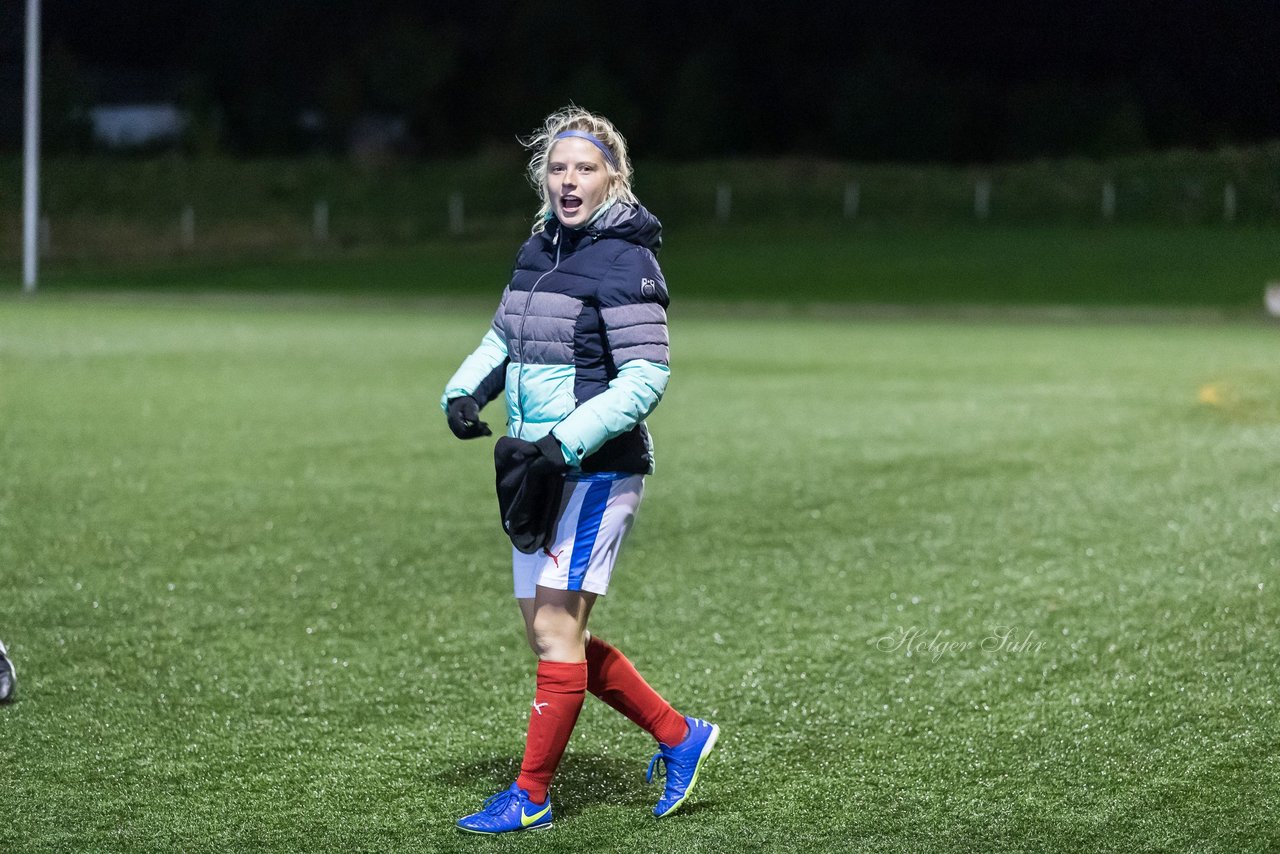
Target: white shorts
{"x":595,"y":515}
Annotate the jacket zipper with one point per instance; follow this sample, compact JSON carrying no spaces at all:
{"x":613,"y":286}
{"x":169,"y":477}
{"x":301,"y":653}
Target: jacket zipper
{"x":520,"y":337}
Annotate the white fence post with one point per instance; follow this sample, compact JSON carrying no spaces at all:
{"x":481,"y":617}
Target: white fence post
{"x":724,"y":201}
{"x":187,"y":227}
{"x":1271,"y":296}
{"x":320,"y":222}
{"x":457,"y":219}
{"x":1108,"y":200}
{"x":31,"y":227}
{"x":982,"y":198}
{"x":852,"y":199}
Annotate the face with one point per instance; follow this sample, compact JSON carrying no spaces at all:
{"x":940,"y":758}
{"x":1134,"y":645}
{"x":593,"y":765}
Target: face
{"x":577,"y":180}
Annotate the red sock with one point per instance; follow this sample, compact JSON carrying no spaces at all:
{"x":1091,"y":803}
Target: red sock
{"x":612,"y":678}
{"x":556,"y":703}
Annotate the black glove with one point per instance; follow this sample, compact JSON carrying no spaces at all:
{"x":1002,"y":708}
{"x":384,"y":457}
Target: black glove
{"x":464,"y":418}
{"x":542,"y":457}
{"x":551,"y":460}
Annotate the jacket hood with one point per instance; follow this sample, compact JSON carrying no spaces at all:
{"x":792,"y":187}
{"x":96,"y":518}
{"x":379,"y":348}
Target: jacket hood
{"x":629,"y":221}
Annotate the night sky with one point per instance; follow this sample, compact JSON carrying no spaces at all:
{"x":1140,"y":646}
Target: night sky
{"x":906,"y":80}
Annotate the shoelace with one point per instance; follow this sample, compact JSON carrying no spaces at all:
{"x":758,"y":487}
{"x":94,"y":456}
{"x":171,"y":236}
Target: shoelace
{"x":497,"y":804}
{"x":659,"y":756}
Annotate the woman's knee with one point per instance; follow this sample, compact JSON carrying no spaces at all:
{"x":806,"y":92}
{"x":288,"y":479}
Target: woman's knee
{"x":556,"y":623}
{"x":557,"y":639}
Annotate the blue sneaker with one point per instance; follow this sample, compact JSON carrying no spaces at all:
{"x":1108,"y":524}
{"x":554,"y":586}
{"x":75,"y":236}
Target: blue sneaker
{"x":506,"y":811}
{"x":682,"y":764}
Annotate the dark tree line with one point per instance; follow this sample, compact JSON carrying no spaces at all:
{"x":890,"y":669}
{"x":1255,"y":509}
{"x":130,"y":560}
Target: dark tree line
{"x":891,"y":80}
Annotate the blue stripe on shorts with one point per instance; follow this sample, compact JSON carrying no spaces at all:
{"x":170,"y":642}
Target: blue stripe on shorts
{"x":580,"y":476}
{"x":584,"y":540}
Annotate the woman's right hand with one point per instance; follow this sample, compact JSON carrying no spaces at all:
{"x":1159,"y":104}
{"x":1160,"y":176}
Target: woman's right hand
{"x":463,"y":414}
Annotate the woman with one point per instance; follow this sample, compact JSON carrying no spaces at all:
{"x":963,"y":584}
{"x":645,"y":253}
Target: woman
{"x":579,"y":343}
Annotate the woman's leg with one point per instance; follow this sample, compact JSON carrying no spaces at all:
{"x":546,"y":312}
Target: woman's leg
{"x":556,"y":626}
{"x":555,"y":623}
{"x":612,"y":678}
{"x":610,"y":675}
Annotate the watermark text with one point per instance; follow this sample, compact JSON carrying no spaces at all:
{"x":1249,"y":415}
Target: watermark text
{"x":937,"y":644}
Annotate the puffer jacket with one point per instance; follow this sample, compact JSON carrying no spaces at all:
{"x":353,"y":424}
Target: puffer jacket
{"x":579,"y":341}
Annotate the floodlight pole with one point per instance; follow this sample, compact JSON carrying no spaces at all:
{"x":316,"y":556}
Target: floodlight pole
{"x":31,"y":153}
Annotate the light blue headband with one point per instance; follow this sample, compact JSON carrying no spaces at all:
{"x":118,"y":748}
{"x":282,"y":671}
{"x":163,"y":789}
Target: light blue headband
{"x":591,"y":138}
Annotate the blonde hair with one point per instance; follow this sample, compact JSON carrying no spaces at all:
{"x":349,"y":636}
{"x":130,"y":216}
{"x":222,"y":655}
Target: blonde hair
{"x":541,"y":141}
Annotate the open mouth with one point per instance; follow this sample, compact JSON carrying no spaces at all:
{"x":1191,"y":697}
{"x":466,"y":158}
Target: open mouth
{"x":570,"y":204}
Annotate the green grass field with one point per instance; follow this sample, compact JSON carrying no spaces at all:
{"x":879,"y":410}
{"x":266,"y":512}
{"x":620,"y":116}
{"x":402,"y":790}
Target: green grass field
{"x":259,"y":598}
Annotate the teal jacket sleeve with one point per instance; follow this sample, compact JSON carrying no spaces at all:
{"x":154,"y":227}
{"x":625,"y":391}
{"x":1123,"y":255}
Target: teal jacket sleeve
{"x":631,"y":396}
{"x":481,"y":375}
{"x":633,"y":310}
